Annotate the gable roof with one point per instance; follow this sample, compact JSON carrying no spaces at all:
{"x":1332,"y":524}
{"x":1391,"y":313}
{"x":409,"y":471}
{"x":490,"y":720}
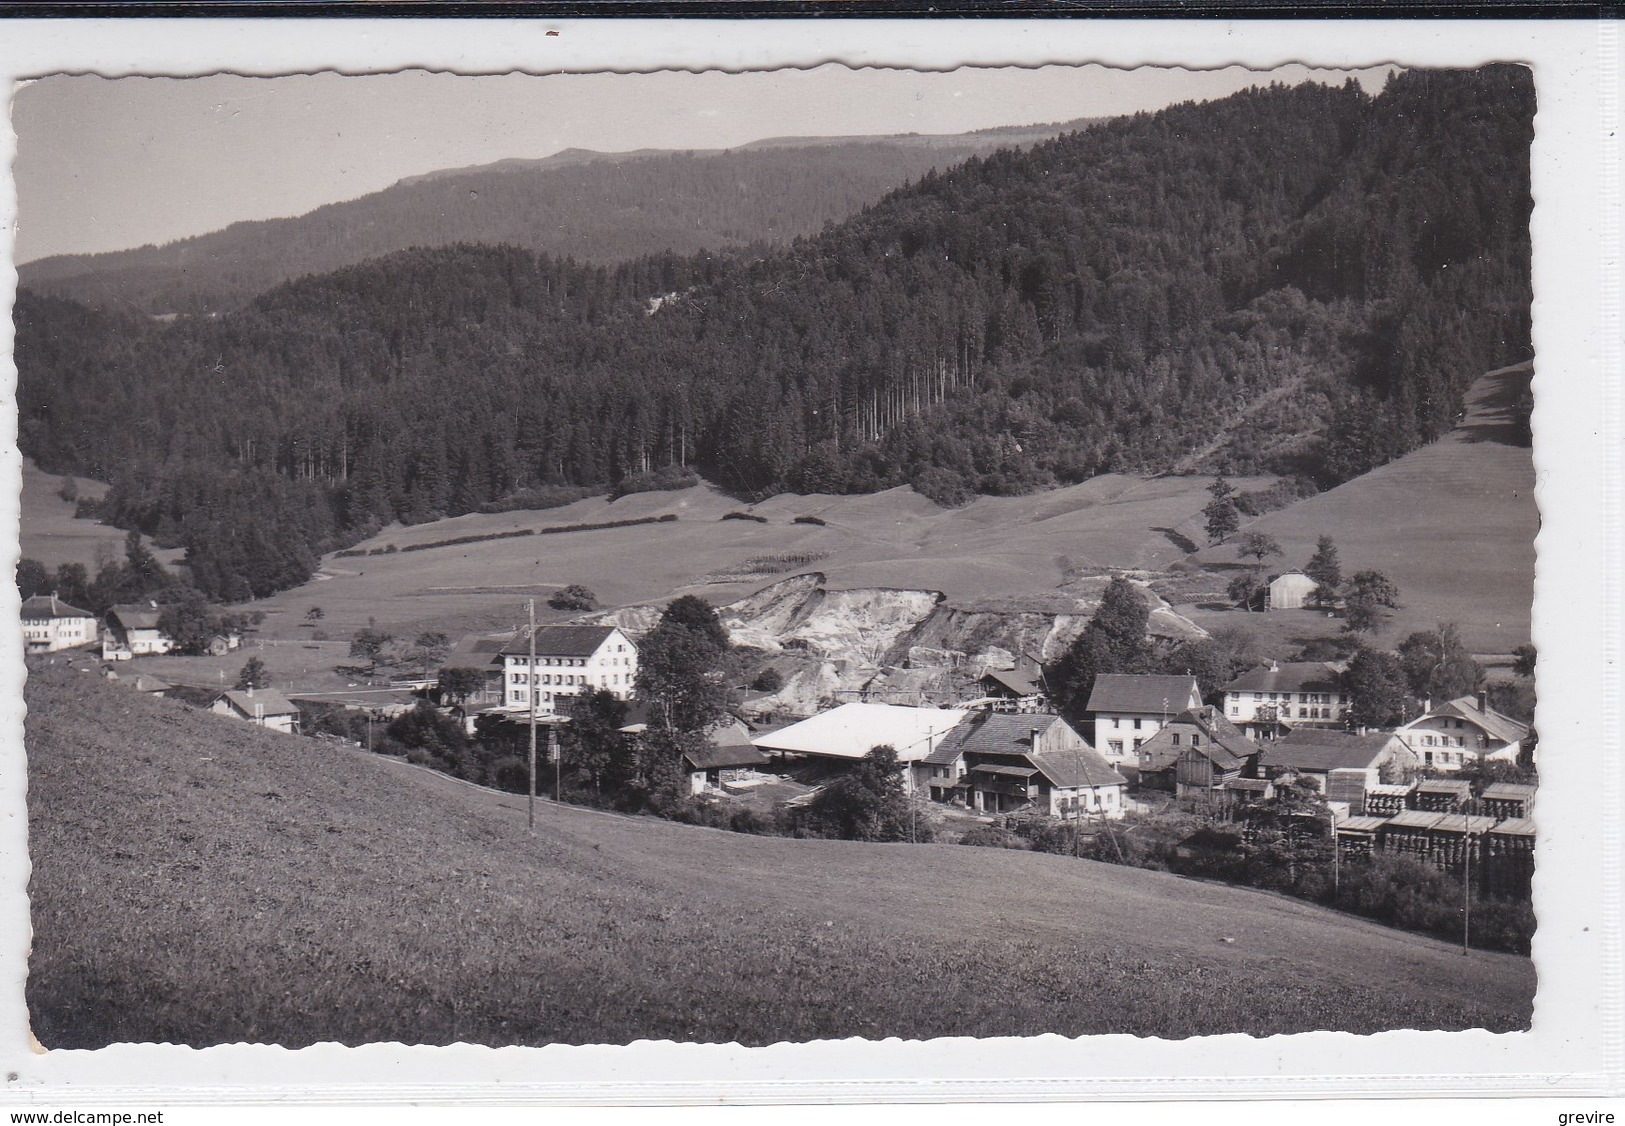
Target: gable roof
{"x":50,"y":606}
{"x":715,"y":756}
{"x":1508,"y":791}
{"x":1146,"y":695}
{"x":560,"y":641}
{"x":1160,"y":751}
{"x":1013,"y":681}
{"x":262,"y":702}
{"x":852,"y":730}
{"x":1295,"y":576}
{"x":1322,"y":750}
{"x":1487,"y":719}
{"x":483,"y":654}
{"x":1289,"y":676}
{"x":1082,"y":766}
{"x":992,"y":733}
{"x":136,"y":615}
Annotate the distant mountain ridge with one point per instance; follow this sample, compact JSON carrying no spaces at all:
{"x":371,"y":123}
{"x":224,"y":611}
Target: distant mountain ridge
{"x":593,"y":206}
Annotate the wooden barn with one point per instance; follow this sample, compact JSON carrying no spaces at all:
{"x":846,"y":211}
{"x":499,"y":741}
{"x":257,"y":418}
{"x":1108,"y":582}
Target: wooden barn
{"x":1291,"y":591}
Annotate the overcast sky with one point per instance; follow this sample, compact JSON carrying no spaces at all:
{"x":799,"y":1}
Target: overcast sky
{"x":105,"y":164}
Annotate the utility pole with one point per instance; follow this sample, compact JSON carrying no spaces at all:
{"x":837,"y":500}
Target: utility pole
{"x":530,"y":690}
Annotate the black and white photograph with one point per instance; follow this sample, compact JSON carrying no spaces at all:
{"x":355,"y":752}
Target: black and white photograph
{"x":755,"y":557}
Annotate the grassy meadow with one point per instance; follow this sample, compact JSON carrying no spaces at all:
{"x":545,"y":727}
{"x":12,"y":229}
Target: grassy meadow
{"x":50,"y":533}
{"x":198,"y":881}
{"x":995,"y":548}
{"x":1453,"y":524}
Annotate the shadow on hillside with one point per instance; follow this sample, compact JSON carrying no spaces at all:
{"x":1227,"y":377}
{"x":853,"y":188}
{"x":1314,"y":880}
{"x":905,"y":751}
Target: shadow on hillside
{"x":1179,"y":540}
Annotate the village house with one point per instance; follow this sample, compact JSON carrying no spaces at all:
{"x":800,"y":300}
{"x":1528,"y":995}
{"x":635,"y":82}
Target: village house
{"x":847,"y":733}
{"x":150,"y":686}
{"x":1192,"y":737}
{"x":727,"y":756}
{"x":49,"y":624}
{"x":1281,"y":696}
{"x":996,"y":762}
{"x":264,"y":707}
{"x":483,"y":655}
{"x":1344,"y":765}
{"x":1465,"y":730}
{"x":132,"y":631}
{"x":1012,"y":691}
{"x":719,"y":763}
{"x":1129,"y":709}
{"x":570,"y":661}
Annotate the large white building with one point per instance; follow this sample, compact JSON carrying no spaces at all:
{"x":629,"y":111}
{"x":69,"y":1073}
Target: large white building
{"x":570,"y":661}
{"x":50,"y":624}
{"x":1294,"y":693}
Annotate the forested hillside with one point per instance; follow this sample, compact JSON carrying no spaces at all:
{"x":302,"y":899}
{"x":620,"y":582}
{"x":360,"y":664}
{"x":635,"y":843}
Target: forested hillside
{"x":1294,"y":279}
{"x":597,"y":207}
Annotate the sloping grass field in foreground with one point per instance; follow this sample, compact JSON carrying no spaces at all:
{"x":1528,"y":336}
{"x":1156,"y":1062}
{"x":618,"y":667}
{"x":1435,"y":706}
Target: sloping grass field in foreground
{"x":200,"y":881}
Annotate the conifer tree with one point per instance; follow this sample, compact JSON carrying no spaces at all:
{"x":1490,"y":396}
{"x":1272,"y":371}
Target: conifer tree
{"x":1326,"y":570}
{"x":1114,"y":641}
{"x":1222,"y":517}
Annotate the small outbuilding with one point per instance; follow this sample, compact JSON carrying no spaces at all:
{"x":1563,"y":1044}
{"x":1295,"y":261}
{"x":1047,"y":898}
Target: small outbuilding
{"x":264,"y":707}
{"x":1291,"y":591}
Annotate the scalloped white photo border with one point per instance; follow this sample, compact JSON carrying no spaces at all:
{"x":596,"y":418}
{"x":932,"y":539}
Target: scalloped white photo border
{"x":1577,"y":1044}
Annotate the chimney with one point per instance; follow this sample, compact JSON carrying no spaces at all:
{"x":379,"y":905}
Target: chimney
{"x":251,"y":691}
{"x":1273,"y":666}
{"x":1483,"y":700}
{"x":1032,"y":734}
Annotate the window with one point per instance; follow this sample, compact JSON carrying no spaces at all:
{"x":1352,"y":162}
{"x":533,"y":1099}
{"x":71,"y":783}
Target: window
{"x":1235,"y":709}
{"x":1196,"y":740}
{"x":1427,"y":740}
{"x":1258,"y":695}
{"x":1427,"y":757}
{"x":1137,"y":743}
{"x":1303,"y":697}
{"x":1116,"y":722}
{"x":1136,"y":723}
{"x":1176,"y":739}
{"x":1116,"y":746}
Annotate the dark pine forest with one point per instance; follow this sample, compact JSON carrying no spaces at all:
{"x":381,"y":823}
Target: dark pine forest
{"x":1295,"y":280}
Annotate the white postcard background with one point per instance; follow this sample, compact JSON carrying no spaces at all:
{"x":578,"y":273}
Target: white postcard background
{"x":1578,"y":1041}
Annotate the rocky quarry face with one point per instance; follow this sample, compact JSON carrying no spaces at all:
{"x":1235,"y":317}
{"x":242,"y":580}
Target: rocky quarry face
{"x":900,"y":646}
{"x":892,"y":645}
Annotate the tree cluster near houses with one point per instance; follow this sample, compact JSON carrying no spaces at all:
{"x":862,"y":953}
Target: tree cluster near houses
{"x":1016,"y":321}
{"x":134,"y":607}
